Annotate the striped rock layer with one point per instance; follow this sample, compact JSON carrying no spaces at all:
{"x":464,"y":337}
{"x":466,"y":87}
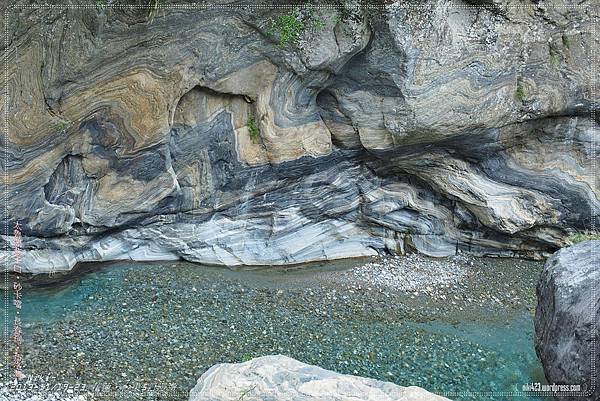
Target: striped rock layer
{"x":202,"y":134}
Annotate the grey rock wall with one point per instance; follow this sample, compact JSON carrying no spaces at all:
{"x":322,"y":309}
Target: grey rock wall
{"x":431,"y":127}
{"x":567,"y":320}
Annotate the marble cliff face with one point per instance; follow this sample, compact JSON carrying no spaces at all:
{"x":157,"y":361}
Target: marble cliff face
{"x":202,"y":134}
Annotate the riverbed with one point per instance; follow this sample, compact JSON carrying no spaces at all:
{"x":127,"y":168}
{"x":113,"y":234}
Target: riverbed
{"x":461,"y":327}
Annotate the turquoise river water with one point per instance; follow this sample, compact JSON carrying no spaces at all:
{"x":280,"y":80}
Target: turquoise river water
{"x":156,"y":327}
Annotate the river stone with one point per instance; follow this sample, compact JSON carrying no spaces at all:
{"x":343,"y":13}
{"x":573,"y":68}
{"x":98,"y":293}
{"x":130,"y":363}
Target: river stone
{"x":277,"y":377}
{"x":567,"y":317}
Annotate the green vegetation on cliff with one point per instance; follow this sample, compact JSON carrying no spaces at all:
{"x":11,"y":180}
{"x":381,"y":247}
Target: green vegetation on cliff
{"x":288,"y":27}
{"x":584,"y":236}
{"x":253,"y":129}
{"x":520,"y":93}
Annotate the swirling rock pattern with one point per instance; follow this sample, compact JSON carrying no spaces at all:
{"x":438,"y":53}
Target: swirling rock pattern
{"x":434,"y":127}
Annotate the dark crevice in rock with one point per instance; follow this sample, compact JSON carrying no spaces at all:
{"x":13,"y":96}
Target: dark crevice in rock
{"x":331,"y":113}
{"x":67,"y":182}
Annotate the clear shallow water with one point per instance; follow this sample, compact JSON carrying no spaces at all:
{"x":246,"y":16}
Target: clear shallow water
{"x":135,"y":324}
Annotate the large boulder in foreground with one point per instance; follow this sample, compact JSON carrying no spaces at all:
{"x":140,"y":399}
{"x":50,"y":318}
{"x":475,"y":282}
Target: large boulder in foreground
{"x":567,"y":317}
{"x":278,"y":377}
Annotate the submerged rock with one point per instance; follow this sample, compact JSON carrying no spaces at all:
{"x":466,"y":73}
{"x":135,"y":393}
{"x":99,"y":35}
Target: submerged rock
{"x":278,"y":377}
{"x":567,"y":319}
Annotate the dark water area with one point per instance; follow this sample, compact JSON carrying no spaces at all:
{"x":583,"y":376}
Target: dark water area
{"x":163,"y":324}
